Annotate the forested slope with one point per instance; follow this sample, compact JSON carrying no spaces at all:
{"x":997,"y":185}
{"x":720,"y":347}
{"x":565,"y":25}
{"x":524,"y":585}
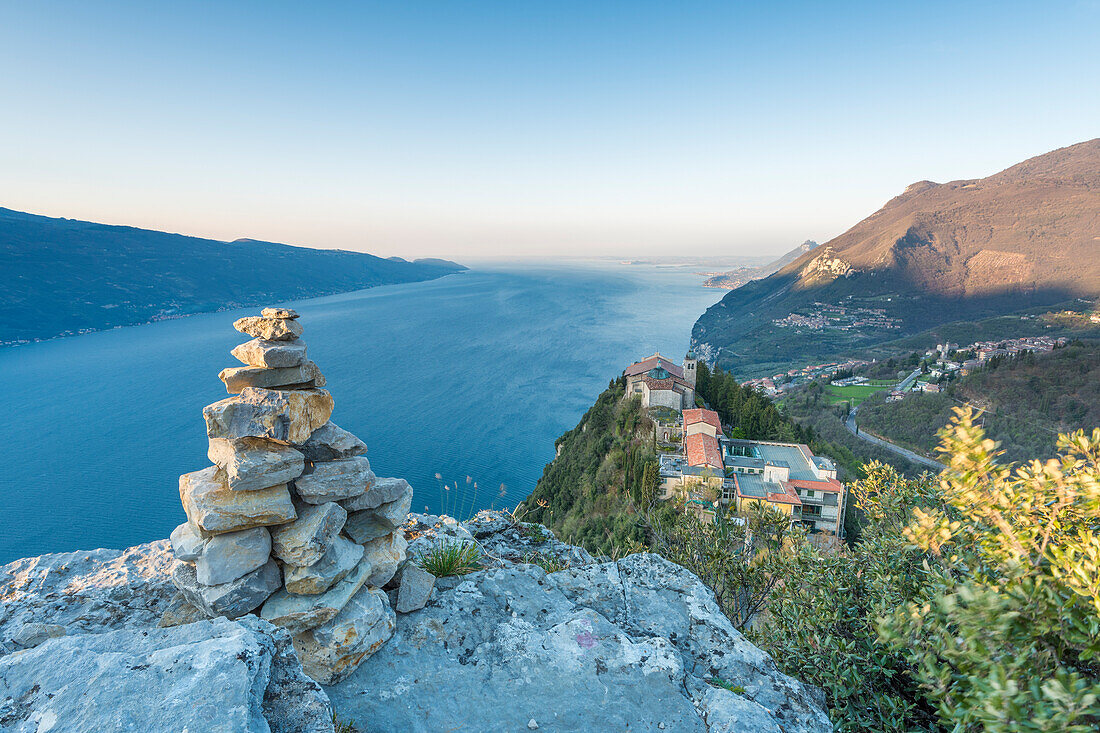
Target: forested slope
{"x":1027,"y":400}
{"x":584,"y":494}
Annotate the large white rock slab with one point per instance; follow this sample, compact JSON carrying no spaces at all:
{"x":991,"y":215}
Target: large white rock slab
{"x":271,"y":354}
{"x":229,"y":556}
{"x":273,"y":329}
{"x":288,"y":416}
{"x":340,"y":560}
{"x":385,"y":555}
{"x":255,"y":463}
{"x":213,"y":676}
{"x":381,"y":491}
{"x":301,"y":613}
{"x":214,"y":509}
{"x":231,"y":599}
{"x":305,"y":541}
{"x":334,"y":480}
{"x":333,"y":650}
{"x":88,"y":591}
{"x":303,"y":376}
{"x":330,"y":442}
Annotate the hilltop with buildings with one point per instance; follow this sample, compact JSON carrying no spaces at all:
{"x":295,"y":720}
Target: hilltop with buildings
{"x":651,"y":434}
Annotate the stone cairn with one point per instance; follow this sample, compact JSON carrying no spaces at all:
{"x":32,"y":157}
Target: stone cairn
{"x":290,"y":522}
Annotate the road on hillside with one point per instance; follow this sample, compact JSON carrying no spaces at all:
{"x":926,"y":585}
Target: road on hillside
{"x":905,"y":384}
{"x":850,"y":423}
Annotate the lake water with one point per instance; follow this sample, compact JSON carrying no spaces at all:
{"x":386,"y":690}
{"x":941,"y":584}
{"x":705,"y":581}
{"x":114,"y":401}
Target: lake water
{"x":473,"y":375}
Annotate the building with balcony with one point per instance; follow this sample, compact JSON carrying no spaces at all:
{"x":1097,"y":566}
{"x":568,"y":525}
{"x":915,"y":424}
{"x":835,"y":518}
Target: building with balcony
{"x":787,"y":477}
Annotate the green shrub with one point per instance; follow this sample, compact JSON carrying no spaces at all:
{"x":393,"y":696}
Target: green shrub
{"x":1008,"y":633}
{"x":339,"y":726}
{"x":451,"y":558}
{"x":819,"y":623}
{"x":970,"y":603}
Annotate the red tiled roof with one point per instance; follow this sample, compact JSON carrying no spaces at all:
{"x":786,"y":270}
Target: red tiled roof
{"x":710,"y":417}
{"x":702,"y":450}
{"x":652,"y":362}
{"x":830,"y":485}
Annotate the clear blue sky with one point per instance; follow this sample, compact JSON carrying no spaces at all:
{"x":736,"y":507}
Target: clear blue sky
{"x":467,"y":128}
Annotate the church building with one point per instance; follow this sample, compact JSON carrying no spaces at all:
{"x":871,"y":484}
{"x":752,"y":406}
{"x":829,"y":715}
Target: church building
{"x":660,"y":383}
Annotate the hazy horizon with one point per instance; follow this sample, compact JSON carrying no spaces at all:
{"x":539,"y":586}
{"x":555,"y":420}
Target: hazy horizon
{"x":497,"y":129}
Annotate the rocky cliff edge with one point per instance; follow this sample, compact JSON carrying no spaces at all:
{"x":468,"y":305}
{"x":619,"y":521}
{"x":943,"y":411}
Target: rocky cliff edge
{"x":636,"y":644}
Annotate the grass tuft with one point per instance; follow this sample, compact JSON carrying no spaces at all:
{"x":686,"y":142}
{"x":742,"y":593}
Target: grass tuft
{"x":535,"y":533}
{"x":549,"y":563}
{"x":338,"y":726}
{"x":451,"y":558}
{"x":719,"y":682}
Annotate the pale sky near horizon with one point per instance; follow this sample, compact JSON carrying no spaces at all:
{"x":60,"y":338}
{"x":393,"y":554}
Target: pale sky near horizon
{"x":482,"y":129}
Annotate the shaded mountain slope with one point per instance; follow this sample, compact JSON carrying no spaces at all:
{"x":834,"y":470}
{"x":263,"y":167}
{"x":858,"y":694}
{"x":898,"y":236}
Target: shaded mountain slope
{"x":65,"y":276}
{"x":1024,"y":237}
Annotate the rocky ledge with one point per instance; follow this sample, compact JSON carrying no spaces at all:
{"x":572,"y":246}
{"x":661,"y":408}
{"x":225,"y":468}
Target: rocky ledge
{"x":635,"y":644}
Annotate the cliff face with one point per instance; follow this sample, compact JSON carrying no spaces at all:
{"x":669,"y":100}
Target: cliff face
{"x":638,"y":643}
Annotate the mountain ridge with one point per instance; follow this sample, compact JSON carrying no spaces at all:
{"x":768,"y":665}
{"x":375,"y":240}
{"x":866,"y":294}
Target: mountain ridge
{"x":1026,"y":236}
{"x":740,"y":276}
{"x":68,"y":276}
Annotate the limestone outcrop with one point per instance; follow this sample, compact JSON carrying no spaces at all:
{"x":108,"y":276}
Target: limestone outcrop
{"x":636,"y":644}
{"x":289,"y":523}
{"x":215,"y":675}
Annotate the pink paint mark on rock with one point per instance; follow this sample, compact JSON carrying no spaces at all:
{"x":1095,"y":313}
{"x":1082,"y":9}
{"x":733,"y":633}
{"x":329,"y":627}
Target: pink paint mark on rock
{"x":585,"y":640}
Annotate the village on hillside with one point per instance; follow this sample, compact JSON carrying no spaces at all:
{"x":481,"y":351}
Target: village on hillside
{"x":707,"y":469}
{"x":946,"y":361}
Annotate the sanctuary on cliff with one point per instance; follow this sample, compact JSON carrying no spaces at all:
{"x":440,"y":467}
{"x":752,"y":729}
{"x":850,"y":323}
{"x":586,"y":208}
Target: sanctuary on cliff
{"x":660,"y":383}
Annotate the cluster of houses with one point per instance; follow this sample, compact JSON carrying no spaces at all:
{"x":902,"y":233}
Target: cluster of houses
{"x":983,"y":351}
{"x":705,"y":468}
{"x":839,"y":317}
{"x":778,"y":383}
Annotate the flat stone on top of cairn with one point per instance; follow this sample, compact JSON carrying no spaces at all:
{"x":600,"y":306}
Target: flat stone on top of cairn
{"x":269,"y":527}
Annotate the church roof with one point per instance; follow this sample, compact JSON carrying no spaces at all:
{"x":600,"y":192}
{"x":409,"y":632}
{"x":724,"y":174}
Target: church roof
{"x":652,"y":362}
{"x":658,"y":372}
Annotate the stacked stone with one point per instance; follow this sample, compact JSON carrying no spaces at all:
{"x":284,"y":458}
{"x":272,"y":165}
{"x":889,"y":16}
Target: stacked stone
{"x":290,"y":521}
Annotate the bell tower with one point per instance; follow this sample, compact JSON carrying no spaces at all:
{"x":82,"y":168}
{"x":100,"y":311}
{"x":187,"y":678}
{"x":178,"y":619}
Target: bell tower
{"x":689,"y":367}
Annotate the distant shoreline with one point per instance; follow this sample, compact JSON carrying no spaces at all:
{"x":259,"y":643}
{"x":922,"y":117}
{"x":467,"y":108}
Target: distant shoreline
{"x":252,"y":303}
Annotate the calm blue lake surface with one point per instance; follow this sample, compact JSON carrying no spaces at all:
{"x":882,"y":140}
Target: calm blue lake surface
{"x":473,"y":375}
